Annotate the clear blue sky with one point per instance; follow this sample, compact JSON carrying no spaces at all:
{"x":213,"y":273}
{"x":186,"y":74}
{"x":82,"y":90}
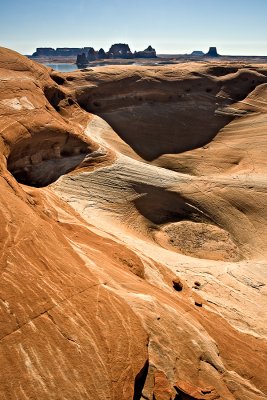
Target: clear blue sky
{"x":171,"y":26}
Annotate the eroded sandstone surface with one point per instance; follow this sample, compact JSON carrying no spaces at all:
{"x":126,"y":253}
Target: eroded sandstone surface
{"x":133,"y":232}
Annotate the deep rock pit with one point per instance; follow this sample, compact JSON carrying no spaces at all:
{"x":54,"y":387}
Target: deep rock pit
{"x":42,"y":158}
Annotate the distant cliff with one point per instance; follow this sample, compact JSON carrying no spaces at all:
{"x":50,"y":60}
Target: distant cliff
{"x":59,"y":51}
{"x":87,"y":54}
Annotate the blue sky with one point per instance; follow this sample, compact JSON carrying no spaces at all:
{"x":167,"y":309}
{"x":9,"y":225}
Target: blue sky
{"x":171,"y":26}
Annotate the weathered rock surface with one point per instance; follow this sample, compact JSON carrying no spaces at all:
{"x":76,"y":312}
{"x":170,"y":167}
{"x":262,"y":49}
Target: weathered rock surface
{"x":141,"y":272}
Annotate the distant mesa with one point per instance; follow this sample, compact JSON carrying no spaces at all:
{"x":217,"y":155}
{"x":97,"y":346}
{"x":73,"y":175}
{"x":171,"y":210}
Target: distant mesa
{"x":212,"y":52}
{"x":197,"y":53}
{"x":58,"y":52}
{"x":44,"y":52}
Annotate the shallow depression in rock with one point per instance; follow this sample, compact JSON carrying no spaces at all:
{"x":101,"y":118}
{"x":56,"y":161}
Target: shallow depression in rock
{"x":43,"y":158}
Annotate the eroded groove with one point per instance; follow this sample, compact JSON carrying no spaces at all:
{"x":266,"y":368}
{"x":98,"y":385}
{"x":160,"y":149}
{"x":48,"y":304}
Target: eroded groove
{"x":54,"y":95}
{"x":196,"y":393}
{"x":139,"y":382}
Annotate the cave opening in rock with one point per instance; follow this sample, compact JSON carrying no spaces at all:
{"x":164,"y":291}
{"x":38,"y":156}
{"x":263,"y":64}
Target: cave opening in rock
{"x":44,"y":157}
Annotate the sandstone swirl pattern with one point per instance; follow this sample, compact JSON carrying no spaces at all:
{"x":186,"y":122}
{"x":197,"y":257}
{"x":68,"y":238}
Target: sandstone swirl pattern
{"x":133,"y":232}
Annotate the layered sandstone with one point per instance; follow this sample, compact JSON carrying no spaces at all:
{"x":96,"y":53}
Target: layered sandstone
{"x":133,"y":229}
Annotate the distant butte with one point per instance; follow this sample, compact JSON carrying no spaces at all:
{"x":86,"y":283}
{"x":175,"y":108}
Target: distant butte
{"x":212,"y":52}
{"x":197,"y":53}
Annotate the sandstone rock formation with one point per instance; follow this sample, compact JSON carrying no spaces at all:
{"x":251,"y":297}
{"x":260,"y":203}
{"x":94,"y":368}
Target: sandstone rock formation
{"x":91,"y":55}
{"x":59,"y":51}
{"x":212,"y":52}
{"x":101,"y":54}
{"x":149,"y":52}
{"x":44,"y":52}
{"x":133,"y":230}
{"x":120,"y":50}
{"x":116,"y":51}
{"x":82,"y":60}
{"x":197,"y":53}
